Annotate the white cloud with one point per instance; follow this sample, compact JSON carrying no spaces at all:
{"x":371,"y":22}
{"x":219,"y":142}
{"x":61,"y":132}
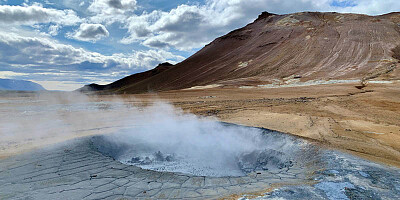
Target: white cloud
{"x":53,"y":29}
{"x":110,"y":11}
{"x":149,"y":59}
{"x":18,"y":49}
{"x":90,"y":32}
{"x":372,"y":7}
{"x":11,"y":74}
{"x":29,"y":15}
{"x":39,"y":50}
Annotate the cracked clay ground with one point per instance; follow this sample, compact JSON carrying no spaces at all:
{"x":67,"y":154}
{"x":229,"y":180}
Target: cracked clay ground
{"x":77,"y":171}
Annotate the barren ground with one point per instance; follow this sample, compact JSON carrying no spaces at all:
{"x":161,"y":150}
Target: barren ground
{"x":363,"y":122}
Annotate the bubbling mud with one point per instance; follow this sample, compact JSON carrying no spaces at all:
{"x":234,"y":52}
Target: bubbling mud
{"x":219,"y":150}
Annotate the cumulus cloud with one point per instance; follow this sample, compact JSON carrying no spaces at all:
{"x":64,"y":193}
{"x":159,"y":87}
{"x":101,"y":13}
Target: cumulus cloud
{"x":29,"y":15}
{"x":109,"y":11}
{"x":151,"y":58}
{"x":53,"y":29}
{"x":139,"y":26}
{"x":37,"y":50}
{"x":372,"y":7}
{"x":17,"y":49}
{"x":90,"y":32}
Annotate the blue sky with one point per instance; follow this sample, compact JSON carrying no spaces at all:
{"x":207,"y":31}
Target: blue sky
{"x":64,"y":44}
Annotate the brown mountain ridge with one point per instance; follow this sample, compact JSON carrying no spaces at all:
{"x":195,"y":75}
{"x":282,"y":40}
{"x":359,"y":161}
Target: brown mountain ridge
{"x":129,"y":80}
{"x":304,"y":46}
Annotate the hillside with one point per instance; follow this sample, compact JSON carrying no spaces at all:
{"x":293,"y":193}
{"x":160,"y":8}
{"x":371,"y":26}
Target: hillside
{"x":129,"y":80}
{"x":280,"y":48}
{"x":19,"y":85}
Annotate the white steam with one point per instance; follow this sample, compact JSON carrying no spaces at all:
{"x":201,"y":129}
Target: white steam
{"x":171,"y":139}
{"x":199,"y":146}
{"x":33,"y":120}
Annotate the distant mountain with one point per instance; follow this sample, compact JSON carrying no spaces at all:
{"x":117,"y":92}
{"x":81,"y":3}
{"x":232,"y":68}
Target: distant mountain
{"x":19,"y":85}
{"x":305,"y":46}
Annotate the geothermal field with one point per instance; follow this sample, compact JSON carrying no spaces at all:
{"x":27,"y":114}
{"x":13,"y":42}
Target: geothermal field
{"x":200,"y":99}
{"x":73,"y":146}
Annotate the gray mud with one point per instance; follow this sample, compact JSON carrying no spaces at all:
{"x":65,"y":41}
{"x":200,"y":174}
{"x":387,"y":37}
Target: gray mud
{"x":273,"y":151}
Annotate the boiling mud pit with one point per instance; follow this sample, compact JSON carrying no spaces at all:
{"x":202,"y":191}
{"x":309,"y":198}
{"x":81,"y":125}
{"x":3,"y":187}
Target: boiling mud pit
{"x":214,"y":150}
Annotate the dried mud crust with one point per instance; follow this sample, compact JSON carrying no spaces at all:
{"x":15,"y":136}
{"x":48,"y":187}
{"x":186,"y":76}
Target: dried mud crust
{"x":76,"y":170}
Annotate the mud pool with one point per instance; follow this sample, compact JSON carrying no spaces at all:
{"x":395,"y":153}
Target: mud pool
{"x":264,"y":151}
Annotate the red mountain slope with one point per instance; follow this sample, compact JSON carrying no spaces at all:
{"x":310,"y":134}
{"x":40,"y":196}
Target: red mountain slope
{"x":308,"y":45}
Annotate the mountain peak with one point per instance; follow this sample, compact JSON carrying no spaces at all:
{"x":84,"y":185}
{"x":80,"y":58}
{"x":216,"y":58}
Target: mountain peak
{"x":264,"y":15}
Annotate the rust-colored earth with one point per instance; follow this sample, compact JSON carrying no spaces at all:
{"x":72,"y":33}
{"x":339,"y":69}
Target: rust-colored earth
{"x":274,"y":48}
